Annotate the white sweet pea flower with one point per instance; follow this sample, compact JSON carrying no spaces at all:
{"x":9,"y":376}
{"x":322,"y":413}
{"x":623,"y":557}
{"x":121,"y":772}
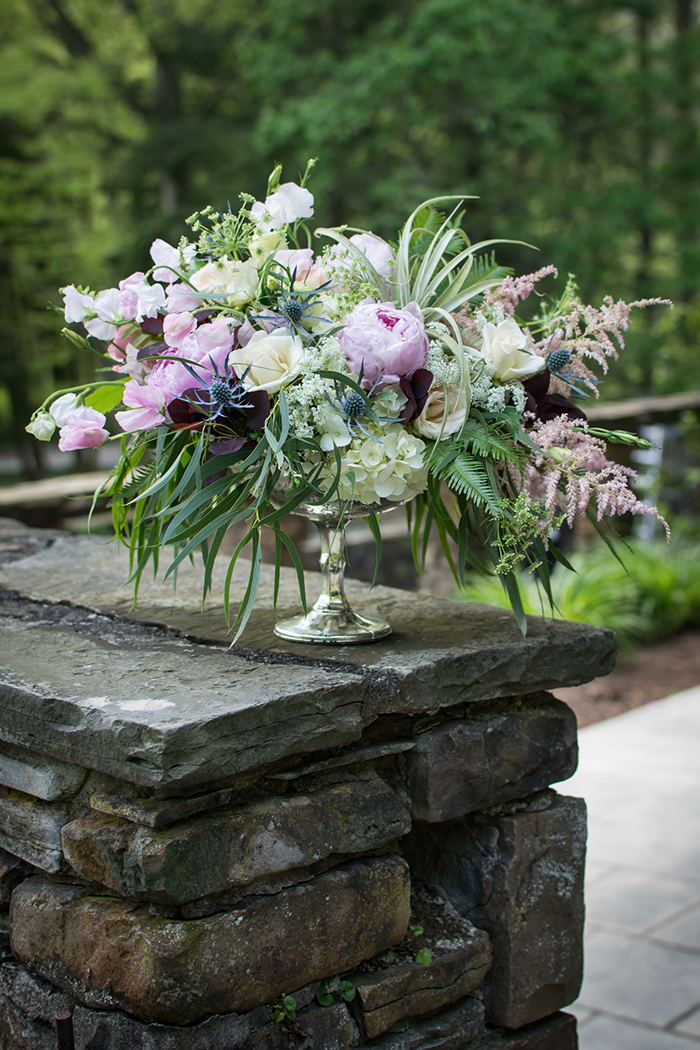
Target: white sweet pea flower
{"x":106,"y":306}
{"x":167,"y":259}
{"x":63,"y":408}
{"x":504,"y":347}
{"x":77,"y":304}
{"x":42,"y":427}
{"x":287,"y":204}
{"x":273,"y":359}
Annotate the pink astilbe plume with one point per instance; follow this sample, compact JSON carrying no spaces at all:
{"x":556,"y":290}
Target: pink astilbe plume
{"x":572,"y":470}
{"x":513,"y":290}
{"x":592,"y":333}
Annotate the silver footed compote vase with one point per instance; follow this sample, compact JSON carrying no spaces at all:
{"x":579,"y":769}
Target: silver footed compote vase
{"x":332,"y":620}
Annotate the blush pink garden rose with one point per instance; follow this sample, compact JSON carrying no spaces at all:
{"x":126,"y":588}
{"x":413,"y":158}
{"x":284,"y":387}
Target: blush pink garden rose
{"x":214,"y":341}
{"x":390,"y":344}
{"x":302,"y":263}
{"x":84,"y":428}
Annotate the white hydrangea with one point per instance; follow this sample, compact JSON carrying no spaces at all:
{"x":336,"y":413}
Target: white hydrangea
{"x":390,"y":468}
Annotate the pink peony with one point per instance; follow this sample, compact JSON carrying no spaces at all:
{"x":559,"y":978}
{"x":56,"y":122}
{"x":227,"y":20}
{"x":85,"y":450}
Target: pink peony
{"x":390,"y":343}
{"x":84,"y":428}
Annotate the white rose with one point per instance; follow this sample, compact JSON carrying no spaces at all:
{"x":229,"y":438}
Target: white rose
{"x":63,"y":408}
{"x":504,"y":347}
{"x":287,"y":204}
{"x":430,"y":422}
{"x":236,"y":280}
{"x":42,"y":427}
{"x":274,"y":359}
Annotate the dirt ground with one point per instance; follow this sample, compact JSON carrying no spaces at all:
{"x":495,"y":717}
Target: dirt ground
{"x":641,"y":676}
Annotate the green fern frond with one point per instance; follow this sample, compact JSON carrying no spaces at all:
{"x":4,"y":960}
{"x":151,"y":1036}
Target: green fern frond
{"x":467,"y":475}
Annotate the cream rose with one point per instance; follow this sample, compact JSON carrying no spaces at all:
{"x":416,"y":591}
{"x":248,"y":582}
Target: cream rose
{"x":504,"y":348}
{"x":274,"y":359}
{"x":238,"y":281}
{"x":429,"y":423}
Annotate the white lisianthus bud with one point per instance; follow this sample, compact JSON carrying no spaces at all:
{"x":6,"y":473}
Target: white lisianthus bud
{"x":42,"y":427}
{"x":504,"y":347}
{"x":559,"y":455}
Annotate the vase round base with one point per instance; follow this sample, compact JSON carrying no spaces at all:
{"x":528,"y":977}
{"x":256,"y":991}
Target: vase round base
{"x":330,"y":625}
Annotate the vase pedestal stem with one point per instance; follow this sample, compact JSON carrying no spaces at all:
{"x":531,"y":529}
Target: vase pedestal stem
{"x":332,"y":620}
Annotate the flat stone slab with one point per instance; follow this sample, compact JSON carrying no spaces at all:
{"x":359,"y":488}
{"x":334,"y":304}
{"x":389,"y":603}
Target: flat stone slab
{"x":453,"y":1029}
{"x":152,"y":694}
{"x":496,"y":754}
{"x":111,"y":953}
{"x":518,"y":874}
{"x":157,"y":711}
{"x":31,"y":830}
{"x":39,"y":775}
{"x":235,"y":845}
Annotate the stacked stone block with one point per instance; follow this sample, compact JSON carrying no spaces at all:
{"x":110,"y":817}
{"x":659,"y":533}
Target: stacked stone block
{"x":192,"y":833}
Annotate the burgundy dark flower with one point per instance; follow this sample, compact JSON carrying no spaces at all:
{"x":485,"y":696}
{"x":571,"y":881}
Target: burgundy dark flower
{"x":416,"y":390}
{"x":231,"y":424}
{"x":546,"y":406}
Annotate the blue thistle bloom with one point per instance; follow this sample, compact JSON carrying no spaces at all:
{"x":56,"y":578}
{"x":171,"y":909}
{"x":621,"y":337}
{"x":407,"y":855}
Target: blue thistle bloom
{"x":292,"y":307}
{"x":353,"y":404}
{"x":225,"y":391}
{"x":557,"y":362}
{"x":558,"y":359}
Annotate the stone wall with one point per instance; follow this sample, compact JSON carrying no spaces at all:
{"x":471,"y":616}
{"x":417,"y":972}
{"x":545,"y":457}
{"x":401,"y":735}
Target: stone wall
{"x":273,"y":846}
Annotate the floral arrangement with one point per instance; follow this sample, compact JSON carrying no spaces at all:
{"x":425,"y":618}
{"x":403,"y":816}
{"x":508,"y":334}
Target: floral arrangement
{"x":371,"y":372}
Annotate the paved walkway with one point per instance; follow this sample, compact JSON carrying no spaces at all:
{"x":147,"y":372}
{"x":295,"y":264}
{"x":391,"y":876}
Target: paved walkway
{"x":640,"y":774}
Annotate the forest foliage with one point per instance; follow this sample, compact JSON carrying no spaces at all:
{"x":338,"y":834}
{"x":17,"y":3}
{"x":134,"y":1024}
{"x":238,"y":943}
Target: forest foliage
{"x":576,"y":122}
